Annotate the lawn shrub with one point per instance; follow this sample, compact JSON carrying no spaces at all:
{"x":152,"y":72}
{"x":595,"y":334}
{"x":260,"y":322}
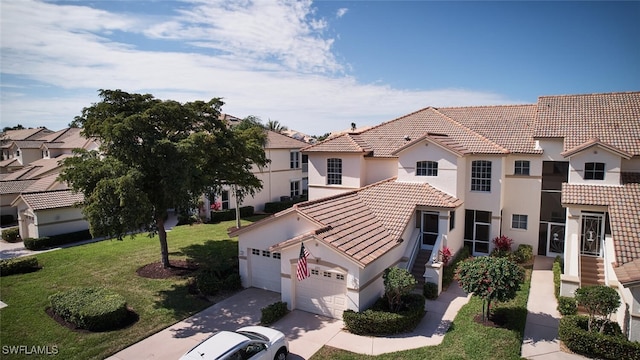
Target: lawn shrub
{"x":273,"y":312}
{"x":610,"y":345}
{"x":449,"y":271}
{"x":56,"y":240}
{"x":523,"y":254}
{"x":567,"y":306}
{"x":208,"y":282}
{"x":11,"y":235}
{"x":380,"y":321}
{"x":230,"y":214}
{"x":91,"y":308}
{"x":277,"y":206}
{"x":430,"y":290}
{"x":232,"y":282}
{"x":18,"y":266}
{"x":557,"y":272}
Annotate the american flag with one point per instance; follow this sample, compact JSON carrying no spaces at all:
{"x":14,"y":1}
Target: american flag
{"x":302,"y":270}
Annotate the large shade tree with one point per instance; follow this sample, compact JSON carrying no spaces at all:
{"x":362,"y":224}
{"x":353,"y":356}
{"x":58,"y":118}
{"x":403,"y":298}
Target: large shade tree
{"x":155,"y":155}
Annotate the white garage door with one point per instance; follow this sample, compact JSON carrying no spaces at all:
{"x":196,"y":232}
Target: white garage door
{"x":323,"y":292}
{"x":265,"y":269}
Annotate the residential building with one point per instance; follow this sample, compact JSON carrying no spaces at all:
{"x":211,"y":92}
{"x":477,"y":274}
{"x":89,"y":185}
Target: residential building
{"x":553,"y":175}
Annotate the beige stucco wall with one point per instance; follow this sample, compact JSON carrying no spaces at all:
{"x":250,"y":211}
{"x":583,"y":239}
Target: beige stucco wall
{"x":378,"y":169}
{"x":447,"y":179}
{"x":353,"y":171}
{"x":595,"y":154}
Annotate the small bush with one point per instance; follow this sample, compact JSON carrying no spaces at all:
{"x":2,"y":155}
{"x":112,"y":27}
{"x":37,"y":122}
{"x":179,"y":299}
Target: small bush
{"x":379,"y":321}
{"x":95,"y":309}
{"x":11,"y":235}
{"x":274,"y":312}
{"x":232,"y":282}
{"x":567,"y":306}
{"x":449,"y":271}
{"x":230,"y":214}
{"x":524,"y":253}
{"x":56,"y":240}
{"x":18,"y":266}
{"x":557,"y":271}
{"x":274,"y":207}
{"x":503,"y":243}
{"x":208,"y":282}
{"x":611,"y":345}
{"x":430,"y":290}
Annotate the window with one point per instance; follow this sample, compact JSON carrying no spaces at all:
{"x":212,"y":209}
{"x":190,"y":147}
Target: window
{"x":326,"y":274}
{"x":521,"y":167}
{"x":334,"y":171}
{"x":294,"y":160}
{"x":519,"y":222}
{"x":481,"y":175}
{"x":255,"y":251}
{"x":477,"y":231}
{"x":275,"y":255}
{"x":594,"y":171}
{"x":224,"y":197}
{"x":315,"y":272}
{"x":295,"y":188}
{"x":265,"y":253}
{"x":452,"y":219}
{"x":427,"y":168}
{"x":339,"y":277}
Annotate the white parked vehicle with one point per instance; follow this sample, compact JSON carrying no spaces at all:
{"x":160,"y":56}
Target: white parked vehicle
{"x":250,"y":342}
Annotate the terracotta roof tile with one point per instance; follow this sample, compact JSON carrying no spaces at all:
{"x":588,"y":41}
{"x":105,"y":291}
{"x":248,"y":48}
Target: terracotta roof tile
{"x":628,"y":273}
{"x":614,"y":118}
{"x":366,"y":223}
{"x":623,"y":204}
{"x":51,"y":199}
{"x":14,"y":186}
{"x":279,"y":141}
{"x":342,"y":143}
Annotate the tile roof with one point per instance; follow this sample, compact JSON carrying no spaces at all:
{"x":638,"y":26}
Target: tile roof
{"x":614,"y":118}
{"x":28,"y":144}
{"x":15,"y":186}
{"x":628,"y":273}
{"x":38,"y":169}
{"x":623,"y":204}
{"x":25,"y":134}
{"x":385,"y":139}
{"x":279,"y":141}
{"x":596,"y":142}
{"x":366,"y":223}
{"x":56,"y":199}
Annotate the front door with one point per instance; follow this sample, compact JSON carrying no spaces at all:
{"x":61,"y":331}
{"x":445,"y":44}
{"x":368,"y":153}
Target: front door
{"x":554,"y":236}
{"x":592,"y":233}
{"x":429,"y":229}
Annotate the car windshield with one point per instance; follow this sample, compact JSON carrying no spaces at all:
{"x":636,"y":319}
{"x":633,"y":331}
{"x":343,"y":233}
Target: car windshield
{"x":253,"y":335}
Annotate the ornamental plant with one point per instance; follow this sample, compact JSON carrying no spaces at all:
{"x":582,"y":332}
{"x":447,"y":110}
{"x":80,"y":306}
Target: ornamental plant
{"x":491,"y":279}
{"x":599,"y":300}
{"x":503,"y":243}
{"x":445,"y":255}
{"x":397,"y":283}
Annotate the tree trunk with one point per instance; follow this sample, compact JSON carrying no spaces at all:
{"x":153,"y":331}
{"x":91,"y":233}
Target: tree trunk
{"x":164,"y":247}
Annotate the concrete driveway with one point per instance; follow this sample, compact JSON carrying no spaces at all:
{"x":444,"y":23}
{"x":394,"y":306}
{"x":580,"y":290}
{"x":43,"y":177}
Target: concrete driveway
{"x":306,"y":332}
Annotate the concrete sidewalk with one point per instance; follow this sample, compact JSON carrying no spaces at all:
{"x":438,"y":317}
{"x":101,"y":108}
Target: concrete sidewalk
{"x":541,"y":340}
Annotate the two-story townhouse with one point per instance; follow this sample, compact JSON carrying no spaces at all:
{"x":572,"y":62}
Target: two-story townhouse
{"x":443,"y":177}
{"x":285,"y":176}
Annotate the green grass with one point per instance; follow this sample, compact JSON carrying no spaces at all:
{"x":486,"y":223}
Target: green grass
{"x":466,"y":339}
{"x":113,"y":264}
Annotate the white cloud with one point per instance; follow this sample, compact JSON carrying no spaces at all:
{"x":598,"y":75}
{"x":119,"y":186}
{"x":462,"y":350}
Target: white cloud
{"x":341,"y":12}
{"x":265,"y":58}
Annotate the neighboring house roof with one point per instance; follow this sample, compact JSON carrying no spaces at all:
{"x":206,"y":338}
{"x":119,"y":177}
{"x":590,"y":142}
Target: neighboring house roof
{"x":279,"y":141}
{"x":15,"y":186}
{"x":25,"y":134}
{"x":613,"y":118}
{"x":366,"y":223}
{"x":623,"y":204}
{"x":385,"y":139}
{"x":38,"y":169}
{"x":27,"y":144}
{"x":10,"y":162}
{"x":46,"y":200}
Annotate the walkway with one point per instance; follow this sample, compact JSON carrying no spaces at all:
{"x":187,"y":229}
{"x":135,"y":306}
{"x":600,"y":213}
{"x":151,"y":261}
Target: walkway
{"x":541,"y":340}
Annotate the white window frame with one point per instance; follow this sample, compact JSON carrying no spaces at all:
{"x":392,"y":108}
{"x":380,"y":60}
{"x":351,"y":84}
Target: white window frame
{"x":294,"y":188}
{"x":481,"y":175}
{"x":519,"y":221}
{"x":334,"y":171}
{"x":522,"y":167}
{"x":427,"y":168}
{"x":294,"y":159}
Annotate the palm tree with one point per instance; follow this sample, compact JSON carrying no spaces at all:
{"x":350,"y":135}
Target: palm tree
{"x":274,"y":125}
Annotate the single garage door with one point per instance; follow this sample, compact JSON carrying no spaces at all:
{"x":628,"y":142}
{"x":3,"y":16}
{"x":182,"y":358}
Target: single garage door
{"x":265,"y":269}
{"x":323,"y":292}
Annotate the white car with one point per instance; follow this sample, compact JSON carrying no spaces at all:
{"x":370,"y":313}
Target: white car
{"x":250,"y":342}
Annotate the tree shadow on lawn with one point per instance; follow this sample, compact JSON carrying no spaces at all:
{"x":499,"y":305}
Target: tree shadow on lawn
{"x":510,"y":318}
{"x":213,"y":253}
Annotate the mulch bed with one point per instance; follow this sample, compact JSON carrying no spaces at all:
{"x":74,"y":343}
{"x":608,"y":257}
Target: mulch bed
{"x":177,"y":268}
{"x":493,"y":321}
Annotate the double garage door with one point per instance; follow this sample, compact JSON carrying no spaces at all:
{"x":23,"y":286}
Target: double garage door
{"x":324,"y":293}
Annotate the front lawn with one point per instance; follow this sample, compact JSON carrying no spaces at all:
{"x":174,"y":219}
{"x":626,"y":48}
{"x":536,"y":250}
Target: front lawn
{"x":113,"y":264}
{"x":466,"y":339}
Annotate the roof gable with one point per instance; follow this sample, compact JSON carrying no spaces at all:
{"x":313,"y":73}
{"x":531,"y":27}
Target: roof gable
{"x":596,"y":143}
{"x":47,"y":200}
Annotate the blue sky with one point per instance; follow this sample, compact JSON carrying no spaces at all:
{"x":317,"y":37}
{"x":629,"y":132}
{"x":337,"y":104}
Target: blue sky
{"x":313,"y":66}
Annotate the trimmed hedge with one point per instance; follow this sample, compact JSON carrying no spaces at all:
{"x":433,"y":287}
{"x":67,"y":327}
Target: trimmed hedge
{"x":379,"y":321}
{"x":56,"y":240}
{"x":557,"y":271}
{"x":567,"y":305}
{"x":230,"y":214}
{"x":11,"y":235}
{"x":274,"y":207}
{"x":18,"y":266}
{"x":523,"y":254}
{"x":91,"y":308}
{"x":274,"y":312}
{"x":449,"y":271}
{"x":572,"y":331}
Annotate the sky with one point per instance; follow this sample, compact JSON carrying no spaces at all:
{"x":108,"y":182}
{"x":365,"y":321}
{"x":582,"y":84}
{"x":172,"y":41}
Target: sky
{"x":315,"y":67}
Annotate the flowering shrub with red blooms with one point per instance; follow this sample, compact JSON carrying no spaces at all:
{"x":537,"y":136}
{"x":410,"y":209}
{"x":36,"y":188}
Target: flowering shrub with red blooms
{"x":216,"y":206}
{"x":503,"y":243}
{"x":445,"y":255}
